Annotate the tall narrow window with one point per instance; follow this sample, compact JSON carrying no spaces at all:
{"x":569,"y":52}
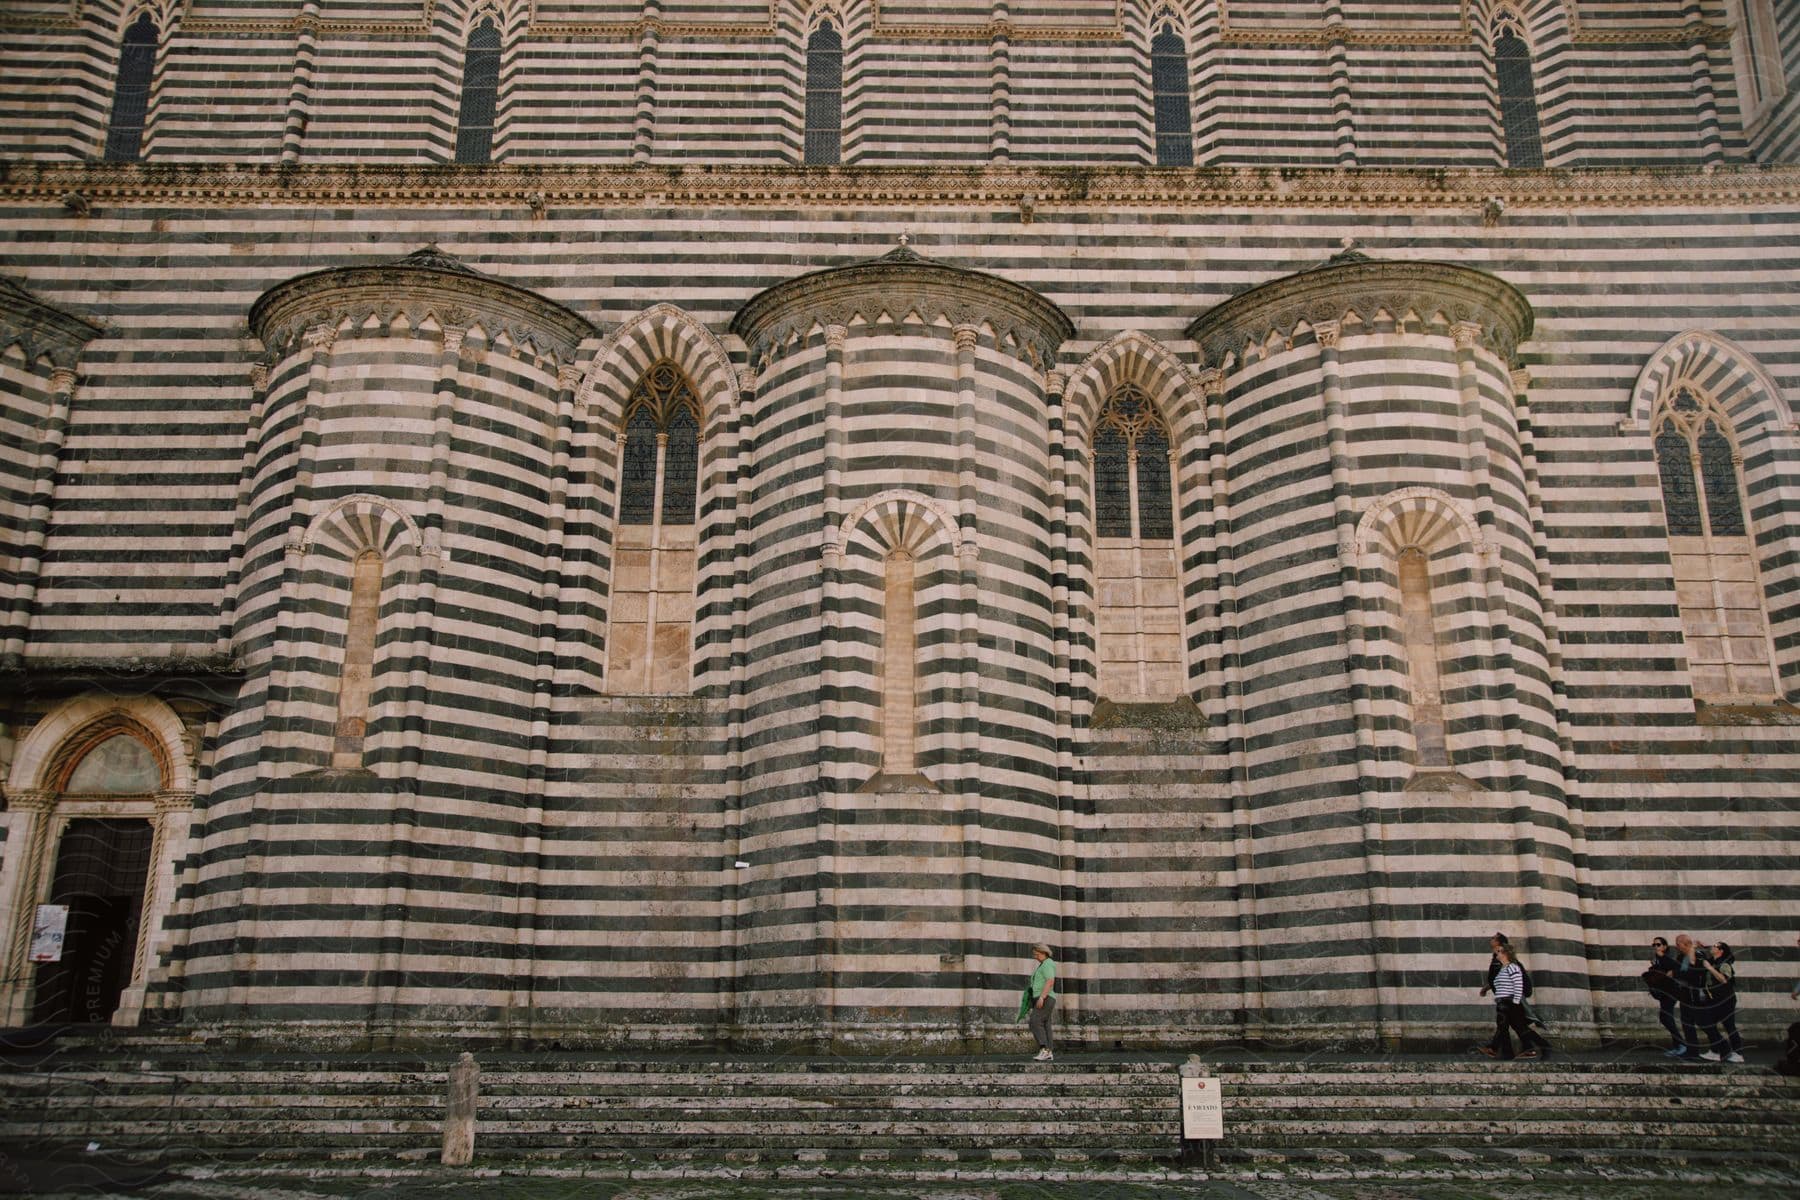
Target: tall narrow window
{"x":648,"y":647}
{"x":1169,"y":82}
{"x":131,"y":92}
{"x":1138,"y":606}
{"x":480,"y":87}
{"x":1418,"y":633}
{"x":1518,"y":99}
{"x":356,"y":677}
{"x":1716,"y":580}
{"x":825,"y":96}
{"x":899,"y":728}
{"x":1756,"y":57}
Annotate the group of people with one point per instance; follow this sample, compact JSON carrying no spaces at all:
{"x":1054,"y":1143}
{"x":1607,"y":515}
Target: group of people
{"x":1510,"y":984}
{"x":1699,"y":983}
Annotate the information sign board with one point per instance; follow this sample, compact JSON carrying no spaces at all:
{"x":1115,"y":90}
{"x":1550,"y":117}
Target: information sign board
{"x":1202,"y":1108}
{"x":47,"y":930}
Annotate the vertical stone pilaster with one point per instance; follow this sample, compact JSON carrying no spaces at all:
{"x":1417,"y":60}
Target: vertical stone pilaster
{"x":299,"y":106}
{"x":23,"y":872}
{"x":224,"y":643}
{"x":1337,"y":65}
{"x":37,"y":518}
{"x":1000,"y":84}
{"x":643,"y":130}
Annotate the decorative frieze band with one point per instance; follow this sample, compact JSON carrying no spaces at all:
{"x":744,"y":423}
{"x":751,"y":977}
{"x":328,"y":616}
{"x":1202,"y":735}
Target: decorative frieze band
{"x":580,"y":187}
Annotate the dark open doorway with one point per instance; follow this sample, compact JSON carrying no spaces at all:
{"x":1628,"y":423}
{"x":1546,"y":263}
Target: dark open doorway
{"x":101,"y":867}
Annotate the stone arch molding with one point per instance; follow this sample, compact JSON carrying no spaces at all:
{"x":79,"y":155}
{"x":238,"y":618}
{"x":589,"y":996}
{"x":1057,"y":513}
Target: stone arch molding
{"x":1532,"y":18}
{"x":362,"y":522}
{"x":37,"y":756}
{"x":1720,"y":368}
{"x":660,"y":332}
{"x":899,"y":519}
{"x":1418,"y":516}
{"x":1139,"y":360}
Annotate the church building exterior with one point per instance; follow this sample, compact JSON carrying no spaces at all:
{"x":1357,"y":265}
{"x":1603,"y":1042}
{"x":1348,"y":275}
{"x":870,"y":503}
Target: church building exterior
{"x":681,"y":522}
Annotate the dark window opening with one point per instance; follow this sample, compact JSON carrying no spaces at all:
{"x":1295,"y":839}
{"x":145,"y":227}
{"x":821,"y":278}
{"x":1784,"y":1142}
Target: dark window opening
{"x":1518,"y":101}
{"x":1169,"y":85}
{"x":1156,"y":518}
{"x":1112,"y":484}
{"x":825,"y":96}
{"x":637,"y":475}
{"x":480,"y":90}
{"x":131,"y":93}
{"x":1724,"y":512}
{"x":1681,"y":501}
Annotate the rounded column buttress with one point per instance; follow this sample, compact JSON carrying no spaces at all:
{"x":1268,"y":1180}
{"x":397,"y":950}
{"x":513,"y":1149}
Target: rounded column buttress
{"x":903,"y":772}
{"x":1393,"y":636}
{"x":394,"y":557}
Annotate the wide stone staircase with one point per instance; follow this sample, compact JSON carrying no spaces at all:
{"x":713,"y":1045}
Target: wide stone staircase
{"x":181,"y":1106}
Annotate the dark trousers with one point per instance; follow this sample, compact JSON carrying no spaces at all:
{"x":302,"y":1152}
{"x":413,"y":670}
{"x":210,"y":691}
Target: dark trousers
{"x":1040,"y":1022}
{"x":1509,"y":1018}
{"x":1665,"y":1012}
{"x":1719,"y":1023}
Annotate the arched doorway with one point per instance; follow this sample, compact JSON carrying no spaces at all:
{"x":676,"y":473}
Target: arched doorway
{"x":96,"y":806}
{"x":96,"y":890}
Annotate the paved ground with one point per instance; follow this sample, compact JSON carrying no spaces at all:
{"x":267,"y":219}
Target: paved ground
{"x":564,"y":1183}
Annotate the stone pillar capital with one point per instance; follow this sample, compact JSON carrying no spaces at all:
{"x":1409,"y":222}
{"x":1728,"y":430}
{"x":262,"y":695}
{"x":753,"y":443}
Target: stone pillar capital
{"x":31,"y":800}
{"x":1056,"y":382}
{"x":835,"y":336}
{"x":966,"y":336}
{"x":320,"y":337}
{"x":746,"y":378}
{"x":1466,"y":334}
{"x":1521,"y":381}
{"x":62,"y":379}
{"x":569,"y":377}
{"x":259,"y":377}
{"x":453,"y":340}
{"x":173,"y":801}
{"x":1328,"y":333}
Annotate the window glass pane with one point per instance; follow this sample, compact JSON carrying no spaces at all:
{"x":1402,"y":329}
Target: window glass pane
{"x":824,"y":96}
{"x":1112,"y":484}
{"x":481,"y":86}
{"x":637,"y":476}
{"x":1169,"y":83}
{"x":1681,"y":501}
{"x":1723,"y":509}
{"x":681,"y":467}
{"x":121,"y":763}
{"x":1518,"y":101}
{"x":1155,"y":518}
{"x":131,"y":93}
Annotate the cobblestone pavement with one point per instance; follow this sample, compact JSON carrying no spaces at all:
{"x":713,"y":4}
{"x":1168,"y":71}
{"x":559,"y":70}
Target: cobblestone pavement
{"x":564,"y":1184}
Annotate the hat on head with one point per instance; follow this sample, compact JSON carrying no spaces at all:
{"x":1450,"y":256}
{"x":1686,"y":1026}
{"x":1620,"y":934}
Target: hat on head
{"x":1043,"y":949}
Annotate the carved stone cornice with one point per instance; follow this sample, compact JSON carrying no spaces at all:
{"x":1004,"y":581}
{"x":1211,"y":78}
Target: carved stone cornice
{"x":42,"y":329}
{"x":425,"y":284}
{"x":898,"y":283}
{"x":1485,"y":308}
{"x":1077,"y":188}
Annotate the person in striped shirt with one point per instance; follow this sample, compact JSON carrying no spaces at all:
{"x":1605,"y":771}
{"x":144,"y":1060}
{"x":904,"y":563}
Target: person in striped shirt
{"x":1509,"y":1011}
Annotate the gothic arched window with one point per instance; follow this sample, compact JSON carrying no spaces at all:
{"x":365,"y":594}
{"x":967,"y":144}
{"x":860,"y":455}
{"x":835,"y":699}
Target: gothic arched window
{"x":131,"y":91}
{"x":480,"y":91}
{"x":1138,"y":603}
{"x":648,"y":649}
{"x":1169,"y":85}
{"x":1518,"y":98}
{"x":824,"y":96}
{"x":1716,"y":579}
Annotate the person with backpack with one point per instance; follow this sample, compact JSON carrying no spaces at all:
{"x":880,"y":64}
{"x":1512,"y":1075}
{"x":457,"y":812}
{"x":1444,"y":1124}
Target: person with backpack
{"x":1718,"y":1018}
{"x":1656,"y":978}
{"x":1509,"y":1012}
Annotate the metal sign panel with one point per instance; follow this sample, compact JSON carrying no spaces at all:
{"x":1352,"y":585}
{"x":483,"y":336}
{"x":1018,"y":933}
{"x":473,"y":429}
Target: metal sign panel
{"x":1202,"y":1108}
{"x":47,"y":930}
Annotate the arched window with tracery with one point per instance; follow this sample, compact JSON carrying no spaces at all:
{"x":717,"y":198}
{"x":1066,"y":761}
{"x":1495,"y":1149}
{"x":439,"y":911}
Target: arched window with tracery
{"x":824,"y":96}
{"x":1518,"y":96}
{"x":480,"y":94}
{"x":131,"y":91}
{"x":1138,"y":605}
{"x":650,"y":643}
{"x":1169,"y":89}
{"x":1716,"y":578}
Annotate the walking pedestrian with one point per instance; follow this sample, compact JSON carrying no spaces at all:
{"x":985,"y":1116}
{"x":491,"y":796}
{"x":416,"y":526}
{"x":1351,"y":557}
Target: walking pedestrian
{"x":1662,"y":967}
{"x":1493,"y":968}
{"x":1718,"y":1019}
{"x":1689,"y":983}
{"x":1038,"y":1001}
{"x":1509,"y":1013}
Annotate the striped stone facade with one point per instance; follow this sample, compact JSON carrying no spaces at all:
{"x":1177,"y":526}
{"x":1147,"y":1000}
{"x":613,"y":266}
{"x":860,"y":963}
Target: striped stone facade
{"x":325,"y":479}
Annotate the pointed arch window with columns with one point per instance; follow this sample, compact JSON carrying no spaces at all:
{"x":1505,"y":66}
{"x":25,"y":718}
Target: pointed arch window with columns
{"x":649,"y":648}
{"x":1711,"y":550}
{"x":1170,"y":97}
{"x":1517,"y":92}
{"x":131,"y":90}
{"x":1136,"y":572}
{"x":480,"y":93}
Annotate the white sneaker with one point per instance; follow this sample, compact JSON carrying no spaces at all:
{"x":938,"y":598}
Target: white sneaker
{"x":1044,"y":1056}
{"x":1709,"y":1056}
{"x":1734,"y":1056}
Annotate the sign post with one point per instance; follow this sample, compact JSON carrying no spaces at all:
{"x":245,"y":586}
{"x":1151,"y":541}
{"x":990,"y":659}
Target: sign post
{"x":1202,"y":1112}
